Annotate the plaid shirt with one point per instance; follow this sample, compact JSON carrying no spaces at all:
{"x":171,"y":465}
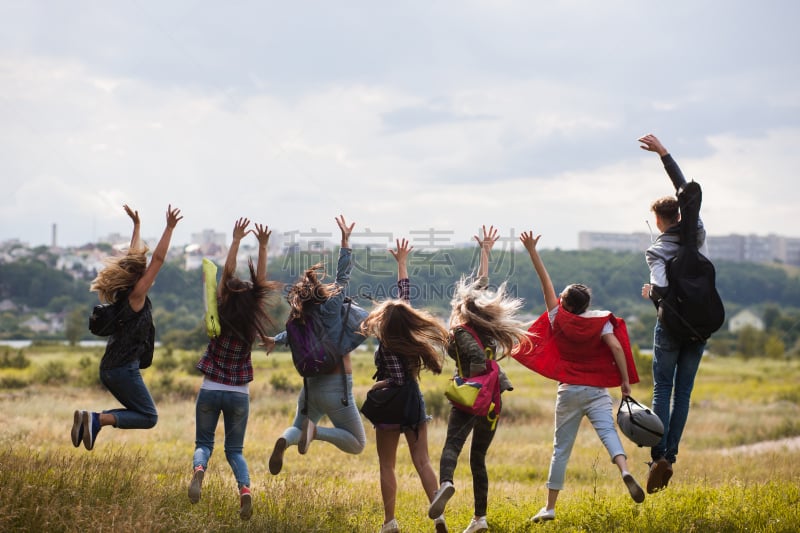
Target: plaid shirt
{"x":390,"y":366}
{"x":227,"y":361}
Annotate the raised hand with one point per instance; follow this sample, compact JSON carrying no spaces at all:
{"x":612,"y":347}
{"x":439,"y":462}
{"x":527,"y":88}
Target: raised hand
{"x":400,"y":254}
{"x":529,"y":241}
{"x":133,"y":214}
{"x":489,"y":238}
{"x":240,"y":228}
{"x":173,"y":216}
{"x":262,"y":233}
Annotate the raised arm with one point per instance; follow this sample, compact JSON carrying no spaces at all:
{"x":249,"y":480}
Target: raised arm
{"x":486,"y":243}
{"x":401,"y":256}
{"x":137,"y":296}
{"x":530,"y":242}
{"x":229,"y":270}
{"x":651,"y":143}
{"x":136,"y":238}
{"x":262,"y":234}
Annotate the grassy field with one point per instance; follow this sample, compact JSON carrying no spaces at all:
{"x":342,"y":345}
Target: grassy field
{"x":738,"y":469}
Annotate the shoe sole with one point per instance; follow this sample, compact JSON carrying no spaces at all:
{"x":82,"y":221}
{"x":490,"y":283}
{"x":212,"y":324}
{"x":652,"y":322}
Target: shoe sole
{"x":305,"y":439}
{"x":543,"y":518}
{"x":666,"y":477}
{"x":634,"y":488}
{"x":655,"y":478}
{"x":77,"y":428}
{"x":440,"y":501}
{"x":88,"y":442}
{"x":196,"y":486}
{"x":246,"y":510}
{"x":441,"y":527}
{"x":276,"y":459}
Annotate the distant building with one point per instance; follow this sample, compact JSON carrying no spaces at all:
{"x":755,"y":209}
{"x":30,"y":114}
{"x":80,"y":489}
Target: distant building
{"x":742,"y":248}
{"x":743,"y":319}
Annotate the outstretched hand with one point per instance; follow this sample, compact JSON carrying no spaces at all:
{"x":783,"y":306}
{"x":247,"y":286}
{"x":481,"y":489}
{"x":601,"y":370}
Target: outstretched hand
{"x":346,"y":230}
{"x":400,"y":254}
{"x":133,"y":214}
{"x":651,"y":143}
{"x":173,"y":216}
{"x":240,"y":228}
{"x":529,"y":241}
{"x":268,"y":343}
{"x":262,"y":233}
{"x":489,"y":238}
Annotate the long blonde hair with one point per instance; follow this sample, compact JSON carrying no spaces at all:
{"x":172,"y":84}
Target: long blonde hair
{"x":491,"y":313}
{"x":416,"y":336}
{"x":120,"y":273}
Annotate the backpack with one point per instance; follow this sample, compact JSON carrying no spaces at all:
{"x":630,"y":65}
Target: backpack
{"x":311,"y":353}
{"x":692,"y":309}
{"x":104,"y":319}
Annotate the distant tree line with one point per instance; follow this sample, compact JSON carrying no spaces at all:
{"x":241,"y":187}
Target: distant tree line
{"x":35,"y":287}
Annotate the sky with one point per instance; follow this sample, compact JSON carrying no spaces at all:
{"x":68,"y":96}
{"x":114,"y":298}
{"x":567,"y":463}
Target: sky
{"x":419,"y":119}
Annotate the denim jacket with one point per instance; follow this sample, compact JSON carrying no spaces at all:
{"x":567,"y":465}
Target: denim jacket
{"x":331,"y":312}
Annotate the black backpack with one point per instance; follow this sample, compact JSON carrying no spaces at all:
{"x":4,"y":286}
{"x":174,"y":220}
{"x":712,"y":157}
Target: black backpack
{"x":692,"y":309}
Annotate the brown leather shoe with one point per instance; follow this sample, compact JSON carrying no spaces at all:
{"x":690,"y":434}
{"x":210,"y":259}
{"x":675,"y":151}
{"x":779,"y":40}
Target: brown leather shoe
{"x":658,"y":476}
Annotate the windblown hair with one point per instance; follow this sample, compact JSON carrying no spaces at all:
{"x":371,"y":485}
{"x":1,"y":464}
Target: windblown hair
{"x":576,"y":298}
{"x":120,"y":274}
{"x":242,"y":306}
{"x":417,"y":336}
{"x":309,"y":290}
{"x":667,"y":208}
{"x":491,"y":313}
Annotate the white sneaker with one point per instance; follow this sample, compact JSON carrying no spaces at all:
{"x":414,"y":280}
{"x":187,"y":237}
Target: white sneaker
{"x":440,"y":524}
{"x":390,"y":527}
{"x":544,"y":515}
{"x":477,"y":525}
{"x":440,"y":499}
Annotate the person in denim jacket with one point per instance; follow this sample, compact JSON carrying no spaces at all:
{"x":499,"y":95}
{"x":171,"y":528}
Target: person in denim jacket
{"x":328,"y":394}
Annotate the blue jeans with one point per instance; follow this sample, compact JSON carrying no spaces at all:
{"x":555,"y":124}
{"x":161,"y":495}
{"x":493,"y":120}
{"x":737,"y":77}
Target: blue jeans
{"x":127,"y":386}
{"x":675,"y":365}
{"x":235,"y":409}
{"x":573,"y":402}
{"x":325,"y":398}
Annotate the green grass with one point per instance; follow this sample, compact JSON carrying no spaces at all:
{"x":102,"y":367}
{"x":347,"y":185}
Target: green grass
{"x":136,"y":480}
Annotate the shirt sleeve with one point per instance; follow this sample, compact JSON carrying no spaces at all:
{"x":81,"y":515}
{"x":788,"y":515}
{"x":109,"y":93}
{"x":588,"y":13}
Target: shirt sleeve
{"x":281,"y":338}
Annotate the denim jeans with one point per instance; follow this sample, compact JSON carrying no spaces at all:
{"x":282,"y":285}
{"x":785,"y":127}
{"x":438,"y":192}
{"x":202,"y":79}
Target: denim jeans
{"x":325,"y":398}
{"x":675,"y":366}
{"x":127,"y":386}
{"x":573,"y":402}
{"x":459,"y":426}
{"x":235,"y":409}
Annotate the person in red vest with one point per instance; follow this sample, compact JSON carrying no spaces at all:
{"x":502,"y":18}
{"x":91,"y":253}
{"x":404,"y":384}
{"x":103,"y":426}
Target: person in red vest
{"x":586,"y":352}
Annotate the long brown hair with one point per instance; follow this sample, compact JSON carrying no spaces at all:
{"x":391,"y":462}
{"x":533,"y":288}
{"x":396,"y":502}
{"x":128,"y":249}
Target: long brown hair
{"x":417,"y":336}
{"x":242,"y":306}
{"x":120,"y":274}
{"x":309,"y":290}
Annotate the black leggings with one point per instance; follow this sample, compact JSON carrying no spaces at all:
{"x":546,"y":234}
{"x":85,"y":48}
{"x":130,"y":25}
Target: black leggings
{"x":459,"y":426}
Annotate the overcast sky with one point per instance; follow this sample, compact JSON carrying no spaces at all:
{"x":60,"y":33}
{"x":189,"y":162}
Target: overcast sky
{"x":406,"y":117}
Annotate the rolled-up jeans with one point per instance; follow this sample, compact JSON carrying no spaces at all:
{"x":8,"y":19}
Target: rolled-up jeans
{"x":126,"y":384}
{"x":573,"y":402}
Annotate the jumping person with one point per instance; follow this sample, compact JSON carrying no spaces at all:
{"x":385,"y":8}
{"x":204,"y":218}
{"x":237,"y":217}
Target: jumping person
{"x":326,"y":394}
{"x":581,"y":350}
{"x":227,"y":365}
{"x":492,"y":316}
{"x":675,"y":362}
{"x":125,"y":282}
{"x":409,"y":341}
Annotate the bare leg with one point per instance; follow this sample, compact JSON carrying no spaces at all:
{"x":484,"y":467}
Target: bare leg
{"x":387,"y":456}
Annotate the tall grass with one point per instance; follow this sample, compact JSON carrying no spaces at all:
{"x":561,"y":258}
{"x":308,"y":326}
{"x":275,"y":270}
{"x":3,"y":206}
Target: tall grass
{"x":136,"y":480}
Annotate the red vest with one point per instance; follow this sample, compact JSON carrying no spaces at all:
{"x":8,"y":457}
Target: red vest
{"x":572,"y":351}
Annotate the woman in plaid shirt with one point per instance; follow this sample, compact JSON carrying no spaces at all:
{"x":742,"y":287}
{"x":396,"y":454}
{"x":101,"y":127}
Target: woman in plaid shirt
{"x":227,"y":365}
{"x":409,"y":341}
